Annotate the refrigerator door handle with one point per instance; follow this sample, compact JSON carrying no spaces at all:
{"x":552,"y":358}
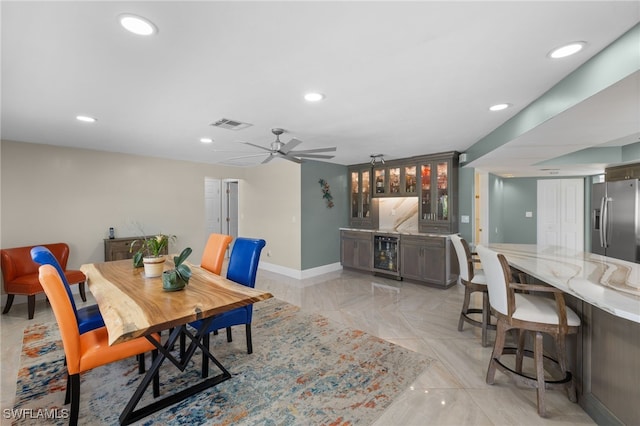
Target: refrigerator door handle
{"x":604,"y":228}
{"x":601,"y":224}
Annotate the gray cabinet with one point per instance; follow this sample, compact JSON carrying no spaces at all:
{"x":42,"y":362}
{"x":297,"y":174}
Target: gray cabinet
{"x":363,"y":211}
{"x":427,"y":259}
{"x":356,"y":250}
{"x":396,"y":179}
{"x":438,"y":198}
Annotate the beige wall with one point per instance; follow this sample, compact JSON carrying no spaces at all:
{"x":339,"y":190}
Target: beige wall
{"x":270,"y":205}
{"x":73,"y":195}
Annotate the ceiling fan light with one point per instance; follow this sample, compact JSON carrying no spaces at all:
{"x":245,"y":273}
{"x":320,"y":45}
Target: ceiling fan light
{"x":313,"y":97}
{"x":567,"y":50}
{"x":137,"y":24}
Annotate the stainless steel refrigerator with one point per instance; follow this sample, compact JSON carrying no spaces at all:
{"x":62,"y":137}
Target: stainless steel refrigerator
{"x":615,"y":219}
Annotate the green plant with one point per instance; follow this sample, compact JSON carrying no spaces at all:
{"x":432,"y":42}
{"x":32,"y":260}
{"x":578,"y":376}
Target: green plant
{"x":177,"y":278}
{"x":153,"y":246}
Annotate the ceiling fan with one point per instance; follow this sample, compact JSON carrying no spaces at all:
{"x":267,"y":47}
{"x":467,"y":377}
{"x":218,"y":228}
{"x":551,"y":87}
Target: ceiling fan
{"x":282,"y":150}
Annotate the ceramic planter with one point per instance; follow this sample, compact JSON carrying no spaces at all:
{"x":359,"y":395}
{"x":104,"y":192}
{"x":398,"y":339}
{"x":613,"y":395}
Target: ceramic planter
{"x":153,"y":266}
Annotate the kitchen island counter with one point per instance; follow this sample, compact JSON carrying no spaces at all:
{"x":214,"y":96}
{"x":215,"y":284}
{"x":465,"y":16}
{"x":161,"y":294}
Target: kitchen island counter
{"x":610,"y":284}
{"x":607,"y":298}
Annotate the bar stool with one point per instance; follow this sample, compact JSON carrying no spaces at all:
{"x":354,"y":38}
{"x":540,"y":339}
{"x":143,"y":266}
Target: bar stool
{"x":473,"y":282}
{"x":528,"y":313}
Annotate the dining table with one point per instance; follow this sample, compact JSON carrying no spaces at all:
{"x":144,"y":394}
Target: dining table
{"x":133,"y":306}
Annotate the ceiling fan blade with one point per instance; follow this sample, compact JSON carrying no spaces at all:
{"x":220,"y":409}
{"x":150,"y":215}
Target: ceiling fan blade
{"x":291,"y":158}
{"x":269,"y":158}
{"x":290,"y":145}
{"x":244,"y":156}
{"x":313,"y":155}
{"x":310,"y":151}
{"x":257,"y":146}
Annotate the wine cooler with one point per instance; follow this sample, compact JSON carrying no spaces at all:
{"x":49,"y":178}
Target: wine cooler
{"x":386,"y":249}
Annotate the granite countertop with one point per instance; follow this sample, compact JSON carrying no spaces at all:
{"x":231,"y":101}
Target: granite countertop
{"x":610,"y":284}
{"x":395,"y":232}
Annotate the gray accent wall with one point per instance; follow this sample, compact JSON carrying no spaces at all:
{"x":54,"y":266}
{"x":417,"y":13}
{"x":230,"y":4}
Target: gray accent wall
{"x":320,"y":224}
{"x":466,"y":183}
{"x":519,"y":195}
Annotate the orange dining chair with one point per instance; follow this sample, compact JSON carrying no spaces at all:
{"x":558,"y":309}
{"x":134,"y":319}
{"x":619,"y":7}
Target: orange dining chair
{"x":212,"y":260}
{"x":88,"y":350}
{"x":214,"y":251}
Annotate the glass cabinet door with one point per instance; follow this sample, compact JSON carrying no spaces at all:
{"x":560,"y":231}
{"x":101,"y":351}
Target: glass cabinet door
{"x":379,"y":181}
{"x":366,"y":194}
{"x":410,"y":179}
{"x":425,"y":188}
{"x":443,"y":191}
{"x":355,"y":191}
{"x":394,"y":180}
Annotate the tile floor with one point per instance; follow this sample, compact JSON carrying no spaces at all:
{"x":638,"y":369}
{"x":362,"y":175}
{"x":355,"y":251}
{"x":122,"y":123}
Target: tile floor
{"x":451,"y":391}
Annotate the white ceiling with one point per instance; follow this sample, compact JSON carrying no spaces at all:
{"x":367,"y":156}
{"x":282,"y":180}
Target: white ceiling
{"x":400,"y":78}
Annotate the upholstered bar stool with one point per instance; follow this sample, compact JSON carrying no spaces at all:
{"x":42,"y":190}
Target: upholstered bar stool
{"x":528,"y":313}
{"x":473,"y":282}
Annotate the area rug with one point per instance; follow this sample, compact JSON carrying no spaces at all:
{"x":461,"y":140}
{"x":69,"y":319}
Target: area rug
{"x":304,"y":370}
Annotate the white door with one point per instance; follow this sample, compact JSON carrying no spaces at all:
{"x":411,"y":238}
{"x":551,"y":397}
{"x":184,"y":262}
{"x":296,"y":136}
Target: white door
{"x":212,"y":206}
{"x":561,"y":213}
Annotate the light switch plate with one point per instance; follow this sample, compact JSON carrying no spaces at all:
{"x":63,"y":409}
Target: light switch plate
{"x":464,"y":219}
{"x":528,"y":214}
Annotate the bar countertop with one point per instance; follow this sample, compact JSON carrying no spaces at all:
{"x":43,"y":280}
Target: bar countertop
{"x":610,"y":284}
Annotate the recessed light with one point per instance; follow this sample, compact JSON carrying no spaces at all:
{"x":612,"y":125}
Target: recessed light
{"x":567,"y":50}
{"x":206,"y":140}
{"x":499,"y":107}
{"x":137,"y":24}
{"x":86,"y":118}
{"x":313,"y":97}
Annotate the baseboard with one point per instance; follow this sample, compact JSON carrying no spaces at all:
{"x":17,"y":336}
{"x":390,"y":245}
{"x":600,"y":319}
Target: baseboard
{"x":298,"y":274}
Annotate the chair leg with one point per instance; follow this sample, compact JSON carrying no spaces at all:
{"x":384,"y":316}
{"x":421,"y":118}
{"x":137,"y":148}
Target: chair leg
{"x":522,"y":334}
{"x":67,"y":394}
{"x":539,"y":360}
{"x":486,"y":314}
{"x":183,"y":344}
{"x":205,"y":359}
{"x":156,"y":377}
{"x":9,"y":303}
{"x":249,"y":343}
{"x":229,"y":337}
{"x":465,"y":307}
{"x":31,"y":305}
{"x":83,"y":293}
{"x":75,"y":399}
{"x":561,"y":355}
{"x":498,"y":347}
{"x":141,"y":366}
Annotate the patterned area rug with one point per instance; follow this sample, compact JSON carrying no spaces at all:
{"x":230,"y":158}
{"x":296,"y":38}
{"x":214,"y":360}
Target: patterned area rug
{"x":305,"y":369}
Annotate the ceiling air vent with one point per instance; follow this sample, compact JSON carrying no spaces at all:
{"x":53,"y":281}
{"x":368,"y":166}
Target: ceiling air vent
{"x":225,"y":123}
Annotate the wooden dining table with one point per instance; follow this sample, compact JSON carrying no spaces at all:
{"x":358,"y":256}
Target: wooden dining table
{"x":133,"y":305}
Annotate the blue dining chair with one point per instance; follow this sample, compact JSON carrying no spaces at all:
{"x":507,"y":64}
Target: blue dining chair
{"x":242,"y":268}
{"x":89,"y":317}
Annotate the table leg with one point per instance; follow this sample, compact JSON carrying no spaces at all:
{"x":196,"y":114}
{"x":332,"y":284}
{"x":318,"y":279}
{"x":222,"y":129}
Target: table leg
{"x":130,"y":414}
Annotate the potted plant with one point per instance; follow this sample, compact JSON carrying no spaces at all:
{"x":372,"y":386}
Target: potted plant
{"x":150,"y":253}
{"x":177,"y":278}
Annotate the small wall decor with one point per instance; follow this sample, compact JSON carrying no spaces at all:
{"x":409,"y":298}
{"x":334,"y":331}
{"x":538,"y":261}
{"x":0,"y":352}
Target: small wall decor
{"x":326,"y":192}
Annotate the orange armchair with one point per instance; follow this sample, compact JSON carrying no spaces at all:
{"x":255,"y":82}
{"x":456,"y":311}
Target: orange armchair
{"x":20,"y":274}
{"x":214,"y":251}
{"x":88,"y":350}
